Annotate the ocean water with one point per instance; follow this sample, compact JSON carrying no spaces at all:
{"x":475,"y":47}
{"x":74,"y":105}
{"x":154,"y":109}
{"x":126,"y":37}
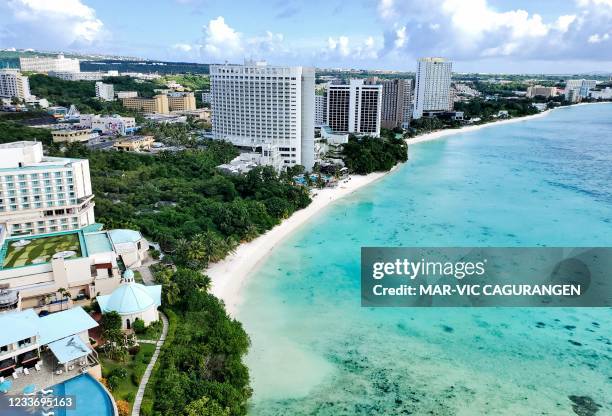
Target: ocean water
{"x":546,"y":181}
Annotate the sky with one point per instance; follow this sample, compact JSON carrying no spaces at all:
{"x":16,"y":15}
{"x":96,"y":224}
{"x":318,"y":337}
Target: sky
{"x":520,"y":36}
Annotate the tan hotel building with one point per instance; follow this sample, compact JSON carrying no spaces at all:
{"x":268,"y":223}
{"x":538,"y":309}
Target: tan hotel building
{"x":162,"y":103}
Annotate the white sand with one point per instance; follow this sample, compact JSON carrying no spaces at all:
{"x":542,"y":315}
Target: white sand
{"x":229,"y":275}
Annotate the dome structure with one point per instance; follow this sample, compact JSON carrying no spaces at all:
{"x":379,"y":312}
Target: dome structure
{"x":132,"y":300}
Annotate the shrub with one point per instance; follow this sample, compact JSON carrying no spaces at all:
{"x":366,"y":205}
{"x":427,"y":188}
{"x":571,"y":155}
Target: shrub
{"x":135,"y":379}
{"x":139,"y":326}
{"x":119,"y":372}
{"x":112,"y":382}
{"x":123,"y":407}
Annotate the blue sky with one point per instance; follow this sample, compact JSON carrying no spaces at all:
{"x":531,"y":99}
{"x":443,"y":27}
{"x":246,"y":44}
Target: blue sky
{"x":478,"y":35}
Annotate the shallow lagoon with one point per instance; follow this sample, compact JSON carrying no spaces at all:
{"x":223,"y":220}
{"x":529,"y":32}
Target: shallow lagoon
{"x":546,"y":181}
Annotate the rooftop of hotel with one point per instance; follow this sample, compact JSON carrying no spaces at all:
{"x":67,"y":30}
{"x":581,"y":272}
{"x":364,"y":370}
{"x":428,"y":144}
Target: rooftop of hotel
{"x":30,"y":157}
{"x":39,"y":249}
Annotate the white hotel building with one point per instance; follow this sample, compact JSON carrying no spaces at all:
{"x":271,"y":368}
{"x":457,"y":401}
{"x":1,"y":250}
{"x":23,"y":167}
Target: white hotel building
{"x":432,"y":91}
{"x":49,"y":63}
{"x":266,"y":109}
{"x":40,"y":194}
{"x":13,"y":84}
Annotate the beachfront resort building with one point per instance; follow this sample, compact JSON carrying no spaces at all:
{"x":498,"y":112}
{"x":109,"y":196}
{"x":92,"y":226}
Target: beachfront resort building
{"x":41,"y":351}
{"x":42,"y":194}
{"x":354,"y":107}
{"x":432,"y":90}
{"x":132,"y":301}
{"x":105,"y":92}
{"x":47,"y":64}
{"x":267,"y":109}
{"x":396,"y":101}
{"x":50,"y":271}
{"x":541,"y":91}
{"x":577,"y":89}
{"x":14,"y":85}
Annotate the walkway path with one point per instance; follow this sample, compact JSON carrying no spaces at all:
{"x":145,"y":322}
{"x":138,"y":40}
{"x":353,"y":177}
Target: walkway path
{"x":147,"y":373}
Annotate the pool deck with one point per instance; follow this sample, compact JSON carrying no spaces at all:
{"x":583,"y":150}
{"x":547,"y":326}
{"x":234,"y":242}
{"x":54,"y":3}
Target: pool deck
{"x":44,"y":378}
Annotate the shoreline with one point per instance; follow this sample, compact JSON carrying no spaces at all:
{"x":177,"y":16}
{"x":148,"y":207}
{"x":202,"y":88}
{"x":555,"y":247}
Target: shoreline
{"x":229,"y":275}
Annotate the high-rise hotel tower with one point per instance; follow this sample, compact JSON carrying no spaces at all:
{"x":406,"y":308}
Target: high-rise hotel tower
{"x":267,"y":109}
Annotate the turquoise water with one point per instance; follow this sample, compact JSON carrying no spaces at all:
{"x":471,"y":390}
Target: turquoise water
{"x":91,"y":398}
{"x":546,"y":181}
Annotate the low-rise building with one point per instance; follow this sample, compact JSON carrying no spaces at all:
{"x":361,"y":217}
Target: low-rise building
{"x":127,"y":94}
{"x":132,"y":301}
{"x":204,"y":114}
{"x":49,"y":271}
{"x":134,"y":143}
{"x":46,"y":348}
{"x":71,"y":136}
{"x":605,"y":94}
{"x":47,"y":64}
{"x":114,"y":124}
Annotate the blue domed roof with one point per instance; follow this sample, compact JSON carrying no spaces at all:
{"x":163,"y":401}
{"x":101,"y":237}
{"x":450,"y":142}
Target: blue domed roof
{"x":131,"y":298}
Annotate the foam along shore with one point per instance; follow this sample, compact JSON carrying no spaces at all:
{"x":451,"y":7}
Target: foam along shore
{"x":230,"y":274}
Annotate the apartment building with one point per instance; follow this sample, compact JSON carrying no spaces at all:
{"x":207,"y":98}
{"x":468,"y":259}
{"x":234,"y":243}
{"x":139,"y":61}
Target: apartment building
{"x":354,"y":107}
{"x":157,"y":104}
{"x":396,"y":101}
{"x":71,"y":136}
{"x":432,"y":91}
{"x":268,"y":109}
{"x":104,"y":91}
{"x":114,"y":124}
{"x":181,"y":101}
{"x":41,"y":194}
{"x":541,"y":91}
{"x":47,"y":64}
{"x":13,"y":84}
{"x":127,"y":94}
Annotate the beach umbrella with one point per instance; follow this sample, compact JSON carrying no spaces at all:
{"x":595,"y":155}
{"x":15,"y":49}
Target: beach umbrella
{"x":29,"y":389}
{"x":5,"y":386}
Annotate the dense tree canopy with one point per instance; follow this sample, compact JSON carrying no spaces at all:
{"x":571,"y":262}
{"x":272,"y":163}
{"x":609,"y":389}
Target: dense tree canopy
{"x":369,"y":154}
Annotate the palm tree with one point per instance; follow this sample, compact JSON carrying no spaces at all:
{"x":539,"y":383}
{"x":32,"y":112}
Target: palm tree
{"x":62,"y":292}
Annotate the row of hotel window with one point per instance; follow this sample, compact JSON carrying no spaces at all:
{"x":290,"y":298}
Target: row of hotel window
{"x":27,"y":228}
{"x":25,"y":202}
{"x":23,"y":176}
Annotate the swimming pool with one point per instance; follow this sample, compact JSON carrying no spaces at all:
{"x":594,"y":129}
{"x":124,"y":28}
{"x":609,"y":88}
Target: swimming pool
{"x":91,"y":398}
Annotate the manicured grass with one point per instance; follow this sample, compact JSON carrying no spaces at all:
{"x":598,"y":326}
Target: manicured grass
{"x":138,"y":277}
{"x":135,"y":366}
{"x":40,"y":248}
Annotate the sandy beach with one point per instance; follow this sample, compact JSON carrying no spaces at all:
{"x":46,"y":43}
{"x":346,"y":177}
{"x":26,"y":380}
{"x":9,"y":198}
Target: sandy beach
{"x":230,"y":275}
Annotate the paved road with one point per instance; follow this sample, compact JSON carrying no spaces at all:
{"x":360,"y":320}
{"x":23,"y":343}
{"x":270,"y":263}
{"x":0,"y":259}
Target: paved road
{"x":147,"y":373}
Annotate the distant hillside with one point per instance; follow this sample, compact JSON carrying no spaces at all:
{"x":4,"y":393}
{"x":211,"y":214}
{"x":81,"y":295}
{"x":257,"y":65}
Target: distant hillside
{"x":145,"y":66}
{"x":104,"y":63}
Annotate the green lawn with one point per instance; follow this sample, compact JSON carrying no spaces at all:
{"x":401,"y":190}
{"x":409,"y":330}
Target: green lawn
{"x":41,"y":249}
{"x":153,"y":331}
{"x":135,"y":366}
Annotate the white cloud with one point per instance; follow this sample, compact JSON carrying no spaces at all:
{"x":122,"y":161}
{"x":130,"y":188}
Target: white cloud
{"x":472,"y":29}
{"x":222,"y":41}
{"x":342,"y":48}
{"x":183,"y":47}
{"x":597,"y":38}
{"x":64,"y":23}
